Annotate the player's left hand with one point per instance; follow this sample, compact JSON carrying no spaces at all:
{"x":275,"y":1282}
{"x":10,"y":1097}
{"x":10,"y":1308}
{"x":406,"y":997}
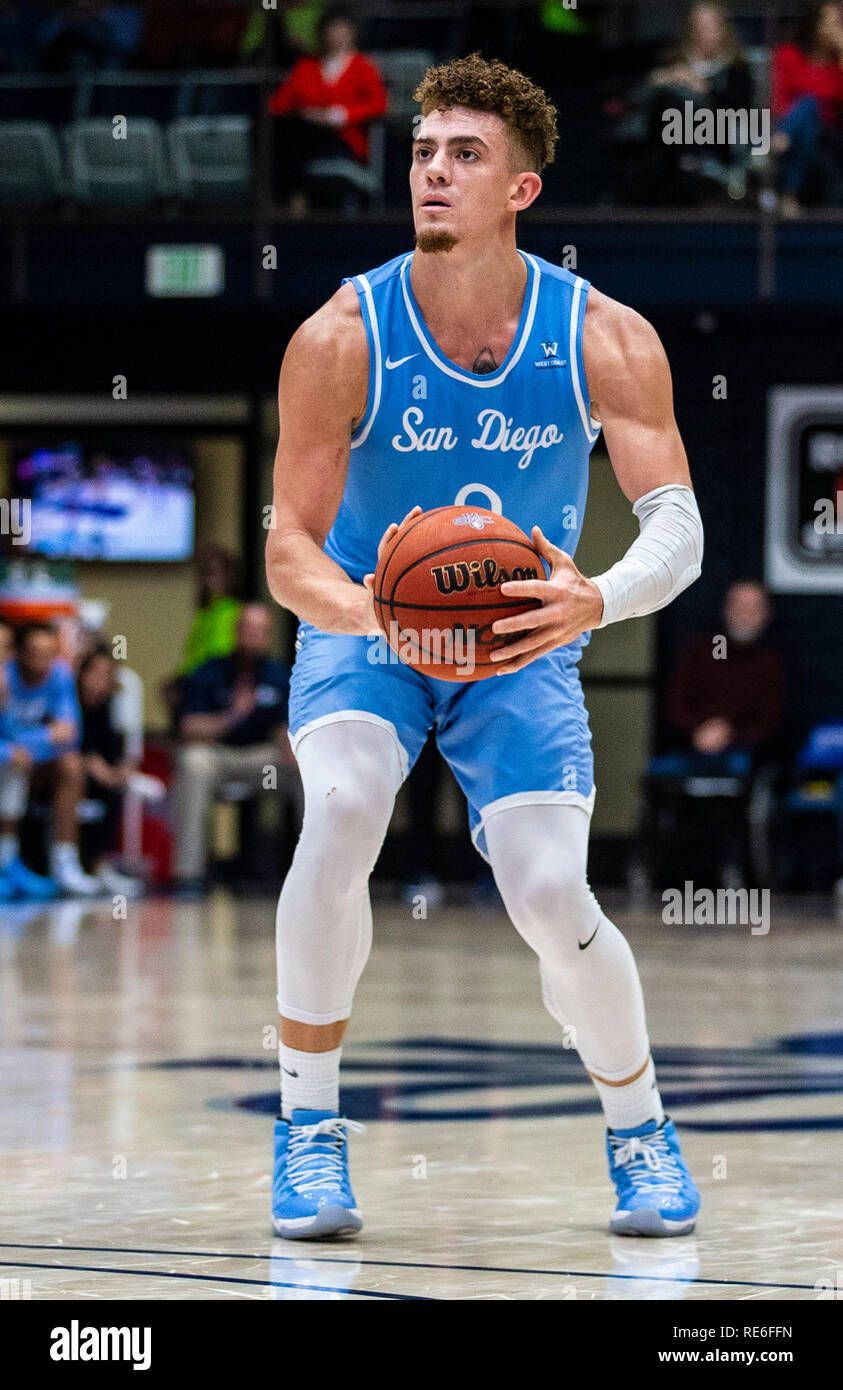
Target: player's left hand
{"x":570,"y":605}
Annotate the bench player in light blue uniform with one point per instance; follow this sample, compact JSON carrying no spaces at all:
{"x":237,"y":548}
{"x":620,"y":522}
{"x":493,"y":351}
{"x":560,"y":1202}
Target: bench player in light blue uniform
{"x":466,"y":372}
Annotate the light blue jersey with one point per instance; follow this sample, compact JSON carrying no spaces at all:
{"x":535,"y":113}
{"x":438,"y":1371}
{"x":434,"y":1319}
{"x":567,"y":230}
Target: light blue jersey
{"x":516,"y":440}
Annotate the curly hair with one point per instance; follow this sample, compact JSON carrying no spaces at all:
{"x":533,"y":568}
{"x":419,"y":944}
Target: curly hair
{"x":489,"y":85}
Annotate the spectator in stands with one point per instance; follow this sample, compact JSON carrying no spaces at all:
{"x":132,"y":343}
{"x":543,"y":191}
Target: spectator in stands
{"x":7,"y":646}
{"x":325,"y":106}
{"x":807,"y":103}
{"x":213,"y":631}
{"x":722,"y":702}
{"x":234,"y":727}
{"x":40,"y":753}
{"x":90,"y":34}
{"x":276,"y":39}
{"x":107,"y":770}
{"x":709,"y":69}
{"x":725,"y":701}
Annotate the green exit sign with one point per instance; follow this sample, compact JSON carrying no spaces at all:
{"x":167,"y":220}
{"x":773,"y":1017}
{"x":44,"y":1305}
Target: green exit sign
{"x":184,"y":272}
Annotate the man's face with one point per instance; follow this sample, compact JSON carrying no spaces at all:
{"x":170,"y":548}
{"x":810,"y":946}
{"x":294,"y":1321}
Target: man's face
{"x":708,"y":30}
{"x":253,"y":632}
{"x":38,"y":655}
{"x":463,"y":177}
{"x":746,"y":611}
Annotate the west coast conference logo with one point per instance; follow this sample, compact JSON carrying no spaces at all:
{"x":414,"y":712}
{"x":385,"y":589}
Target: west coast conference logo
{"x":551,"y":358}
{"x":787,"y":1083}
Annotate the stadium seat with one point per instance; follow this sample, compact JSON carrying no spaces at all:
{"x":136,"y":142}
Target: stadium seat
{"x":117,"y":171}
{"x":30,"y":163}
{"x":737,"y":795}
{"x":366,"y":180}
{"x":211,"y":157}
{"x":818,"y":783}
{"x":402,"y":70}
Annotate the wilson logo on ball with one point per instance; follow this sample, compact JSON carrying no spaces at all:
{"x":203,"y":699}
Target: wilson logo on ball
{"x":477,"y":574}
{"x":437,"y":592}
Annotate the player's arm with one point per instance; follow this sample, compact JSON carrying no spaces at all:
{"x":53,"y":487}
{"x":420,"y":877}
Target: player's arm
{"x":321,"y":396}
{"x":632,"y":395}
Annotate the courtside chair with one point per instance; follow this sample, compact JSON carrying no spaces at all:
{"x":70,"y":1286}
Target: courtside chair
{"x":818,"y":784}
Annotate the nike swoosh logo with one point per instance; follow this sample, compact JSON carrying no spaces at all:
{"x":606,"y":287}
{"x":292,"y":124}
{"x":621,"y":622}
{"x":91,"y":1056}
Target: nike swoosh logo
{"x":287,"y":1072}
{"x":390,"y":365}
{"x":582,"y":944}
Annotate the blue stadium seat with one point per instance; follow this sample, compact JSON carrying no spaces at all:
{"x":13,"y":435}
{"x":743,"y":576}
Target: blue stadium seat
{"x":818,"y":782}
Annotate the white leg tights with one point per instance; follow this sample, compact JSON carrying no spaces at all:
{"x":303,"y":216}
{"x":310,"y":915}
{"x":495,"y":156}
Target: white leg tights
{"x":350,"y":772}
{"x":538,"y":856}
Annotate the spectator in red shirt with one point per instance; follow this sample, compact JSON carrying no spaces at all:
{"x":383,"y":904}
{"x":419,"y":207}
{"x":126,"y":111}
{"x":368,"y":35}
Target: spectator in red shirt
{"x":730,"y":700}
{"x":326,"y":105}
{"x":807,"y":103}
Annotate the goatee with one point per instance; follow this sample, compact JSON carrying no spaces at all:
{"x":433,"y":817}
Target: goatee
{"x":435,"y":239}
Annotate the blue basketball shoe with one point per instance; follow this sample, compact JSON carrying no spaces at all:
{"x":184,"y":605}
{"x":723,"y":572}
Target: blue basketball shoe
{"x":311,"y":1189}
{"x":656,"y":1194}
{"x":24,"y":883}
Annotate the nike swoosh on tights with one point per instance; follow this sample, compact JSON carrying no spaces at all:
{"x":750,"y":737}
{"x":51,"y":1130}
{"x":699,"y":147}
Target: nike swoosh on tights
{"x":287,"y":1072}
{"x":390,"y":365}
{"x":582,"y":944}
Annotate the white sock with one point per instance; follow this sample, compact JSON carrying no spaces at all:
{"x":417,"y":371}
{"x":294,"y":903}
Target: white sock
{"x":627,"y":1107}
{"x":64,"y":852}
{"x":9,"y":848}
{"x":309,"y":1080}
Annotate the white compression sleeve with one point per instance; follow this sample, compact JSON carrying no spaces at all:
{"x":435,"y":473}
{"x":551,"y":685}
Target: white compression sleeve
{"x":664,"y":560}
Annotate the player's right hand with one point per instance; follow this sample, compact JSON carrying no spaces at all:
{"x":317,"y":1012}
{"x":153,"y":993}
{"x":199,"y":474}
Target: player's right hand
{"x":371,"y":626}
{"x":369,"y":579}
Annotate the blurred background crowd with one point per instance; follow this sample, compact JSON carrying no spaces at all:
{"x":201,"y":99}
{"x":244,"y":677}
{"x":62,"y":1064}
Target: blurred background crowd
{"x":310,"y":104}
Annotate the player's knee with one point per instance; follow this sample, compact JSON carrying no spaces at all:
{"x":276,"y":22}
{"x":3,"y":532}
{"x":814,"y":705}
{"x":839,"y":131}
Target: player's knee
{"x":69,"y":768}
{"x":547,"y":903}
{"x":343,"y":829}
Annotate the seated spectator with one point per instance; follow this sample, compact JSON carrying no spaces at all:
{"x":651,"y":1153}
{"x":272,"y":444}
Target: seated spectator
{"x":726,"y":702}
{"x":325,"y":106}
{"x":107,"y":770}
{"x":234,"y":727}
{"x":87,"y":34}
{"x":213,"y":630}
{"x":734,"y":702}
{"x":39,"y":753}
{"x":807,"y":102}
{"x":709,"y":69}
{"x":7,"y":647}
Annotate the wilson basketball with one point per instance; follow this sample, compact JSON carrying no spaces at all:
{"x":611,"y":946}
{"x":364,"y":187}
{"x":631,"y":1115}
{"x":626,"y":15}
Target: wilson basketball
{"x":437,"y":589}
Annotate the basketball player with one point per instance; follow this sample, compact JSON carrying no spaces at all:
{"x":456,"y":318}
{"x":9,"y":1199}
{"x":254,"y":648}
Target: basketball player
{"x":412,"y":386}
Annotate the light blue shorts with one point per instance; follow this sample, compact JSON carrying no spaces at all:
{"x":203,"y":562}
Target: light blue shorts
{"x":510,"y":740}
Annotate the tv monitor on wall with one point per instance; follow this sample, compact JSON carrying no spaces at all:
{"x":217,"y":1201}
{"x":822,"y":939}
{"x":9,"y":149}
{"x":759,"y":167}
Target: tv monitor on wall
{"x":109,"y":498}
